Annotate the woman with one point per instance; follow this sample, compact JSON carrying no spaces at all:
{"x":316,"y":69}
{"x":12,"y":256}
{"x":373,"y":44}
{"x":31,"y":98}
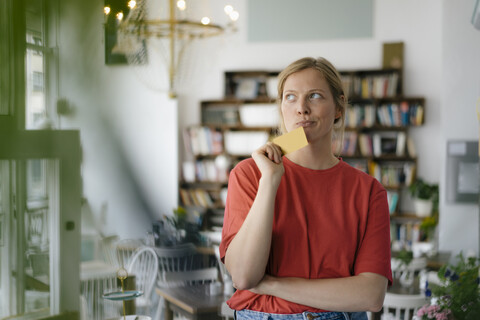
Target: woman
{"x":306,"y":235}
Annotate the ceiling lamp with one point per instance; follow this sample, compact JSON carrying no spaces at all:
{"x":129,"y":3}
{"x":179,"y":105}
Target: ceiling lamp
{"x":146,"y":27}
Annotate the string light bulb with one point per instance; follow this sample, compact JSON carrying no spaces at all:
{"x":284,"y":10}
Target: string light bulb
{"x":181,"y":5}
{"x":228,"y":9}
{"x":119,"y":16}
{"x":132,"y":4}
{"x":106,"y":10}
{"x":205,"y":20}
{"x":234,"y":15}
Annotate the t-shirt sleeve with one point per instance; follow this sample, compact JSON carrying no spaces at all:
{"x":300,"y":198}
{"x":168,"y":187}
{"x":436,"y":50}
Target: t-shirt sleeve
{"x":374,"y":253}
{"x":242,"y":190}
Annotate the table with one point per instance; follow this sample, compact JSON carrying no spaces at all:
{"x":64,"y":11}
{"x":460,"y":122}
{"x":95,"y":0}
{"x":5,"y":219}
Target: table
{"x":193,"y":302}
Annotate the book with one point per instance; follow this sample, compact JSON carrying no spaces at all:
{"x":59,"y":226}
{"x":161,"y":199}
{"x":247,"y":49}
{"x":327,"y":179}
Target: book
{"x":412,"y":151}
{"x":401,"y":142}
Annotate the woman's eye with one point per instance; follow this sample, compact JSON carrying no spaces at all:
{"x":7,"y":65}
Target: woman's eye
{"x":315,"y":95}
{"x":289,"y":97}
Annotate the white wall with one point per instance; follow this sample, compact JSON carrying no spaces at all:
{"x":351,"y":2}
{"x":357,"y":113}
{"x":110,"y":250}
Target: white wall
{"x":441,"y":63}
{"x":128,"y":132}
{"x":459,"y":224}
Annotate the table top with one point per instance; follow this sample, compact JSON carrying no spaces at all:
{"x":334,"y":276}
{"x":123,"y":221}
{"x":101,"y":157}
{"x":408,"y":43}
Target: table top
{"x":397,"y":288}
{"x":96,"y":270}
{"x":194,"y":299}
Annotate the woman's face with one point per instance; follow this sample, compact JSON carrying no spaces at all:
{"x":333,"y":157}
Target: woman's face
{"x":308,"y":102}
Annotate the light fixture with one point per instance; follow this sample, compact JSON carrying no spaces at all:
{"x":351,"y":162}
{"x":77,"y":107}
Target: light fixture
{"x":168,"y":26}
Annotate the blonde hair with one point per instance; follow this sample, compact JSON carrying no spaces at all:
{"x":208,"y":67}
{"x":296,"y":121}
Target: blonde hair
{"x":332,"y":76}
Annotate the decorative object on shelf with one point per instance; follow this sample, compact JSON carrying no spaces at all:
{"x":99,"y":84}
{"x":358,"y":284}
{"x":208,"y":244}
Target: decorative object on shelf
{"x":425,"y":197}
{"x":404,"y":257}
{"x":144,"y":28}
{"x":393,"y":55}
{"x":457,"y":296}
{"x":428,"y":225}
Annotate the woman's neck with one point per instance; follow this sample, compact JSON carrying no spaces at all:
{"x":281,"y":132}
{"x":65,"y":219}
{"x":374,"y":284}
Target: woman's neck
{"x":314,"y":158}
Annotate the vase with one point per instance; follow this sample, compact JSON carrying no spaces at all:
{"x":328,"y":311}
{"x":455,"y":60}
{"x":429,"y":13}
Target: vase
{"x":423,"y":208}
{"x":406,"y":279}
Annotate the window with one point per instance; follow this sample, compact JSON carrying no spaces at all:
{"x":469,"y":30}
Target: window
{"x":38,"y":268}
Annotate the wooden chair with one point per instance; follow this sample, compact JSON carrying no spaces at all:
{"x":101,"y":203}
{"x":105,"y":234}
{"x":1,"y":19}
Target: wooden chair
{"x":125,"y":248}
{"x":182,"y":265}
{"x":401,"y":306}
{"x":176,"y":259}
{"x":144,"y":265}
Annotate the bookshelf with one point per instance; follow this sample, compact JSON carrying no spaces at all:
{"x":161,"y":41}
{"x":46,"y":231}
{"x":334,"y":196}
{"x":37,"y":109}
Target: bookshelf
{"x":230,"y":130}
{"x":376,"y":139}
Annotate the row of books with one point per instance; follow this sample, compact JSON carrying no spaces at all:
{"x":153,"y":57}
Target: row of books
{"x":400,"y":115}
{"x":405,"y":234}
{"x":203,"y":141}
{"x":199,"y":198}
{"x":207,"y":171}
{"x":376,"y":144}
{"x":393,"y":174}
{"x":382,"y":143}
{"x":360,"y":116}
{"x":349,"y":147}
{"x":372,"y":86}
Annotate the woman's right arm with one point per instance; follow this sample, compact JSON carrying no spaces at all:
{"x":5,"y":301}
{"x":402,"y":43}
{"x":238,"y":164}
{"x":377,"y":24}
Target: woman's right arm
{"x":247,"y":255}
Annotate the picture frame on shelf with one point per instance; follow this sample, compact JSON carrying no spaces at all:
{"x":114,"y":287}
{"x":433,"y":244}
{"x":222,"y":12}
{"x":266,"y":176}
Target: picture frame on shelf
{"x":389,"y":143}
{"x":247,"y":89}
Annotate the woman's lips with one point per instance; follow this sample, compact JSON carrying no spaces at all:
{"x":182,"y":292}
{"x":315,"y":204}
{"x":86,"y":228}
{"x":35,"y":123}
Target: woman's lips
{"x":305,"y":123}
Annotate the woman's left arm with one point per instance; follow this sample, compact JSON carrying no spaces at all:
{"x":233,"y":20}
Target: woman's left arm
{"x":362,"y":292}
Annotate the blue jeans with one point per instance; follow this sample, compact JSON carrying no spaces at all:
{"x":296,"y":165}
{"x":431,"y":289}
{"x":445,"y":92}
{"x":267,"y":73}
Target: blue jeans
{"x":256,"y":315}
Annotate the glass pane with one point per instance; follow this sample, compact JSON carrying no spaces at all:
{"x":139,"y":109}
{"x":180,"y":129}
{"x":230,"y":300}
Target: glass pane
{"x":5,"y":57}
{"x":26,"y":208}
{"x":37,"y":235}
{"x":35,"y":90}
{"x":34,"y":19}
{"x":35,"y":64}
{"x":3,"y":235}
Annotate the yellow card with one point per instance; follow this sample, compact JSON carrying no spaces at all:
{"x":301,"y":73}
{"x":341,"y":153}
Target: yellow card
{"x":292,"y":140}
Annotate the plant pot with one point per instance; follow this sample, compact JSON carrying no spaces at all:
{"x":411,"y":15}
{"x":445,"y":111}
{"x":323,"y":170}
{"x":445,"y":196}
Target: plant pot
{"x":423,"y":208}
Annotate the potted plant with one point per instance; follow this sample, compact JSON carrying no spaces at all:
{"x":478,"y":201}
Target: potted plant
{"x":425,"y":197}
{"x":457,"y":296}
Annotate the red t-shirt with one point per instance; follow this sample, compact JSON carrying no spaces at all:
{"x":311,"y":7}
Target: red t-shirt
{"x":329,"y":223}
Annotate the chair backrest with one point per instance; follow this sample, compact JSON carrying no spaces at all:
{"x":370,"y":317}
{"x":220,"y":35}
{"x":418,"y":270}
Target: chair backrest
{"x":183,"y":265}
{"x":178,"y":258}
{"x":144,"y":265}
{"x":107,"y":248}
{"x":223,"y":270}
{"x":415,"y":266}
{"x":401,"y":306}
{"x":125,"y":249}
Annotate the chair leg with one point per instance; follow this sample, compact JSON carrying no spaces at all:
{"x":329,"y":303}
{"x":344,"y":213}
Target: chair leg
{"x":159,"y":313}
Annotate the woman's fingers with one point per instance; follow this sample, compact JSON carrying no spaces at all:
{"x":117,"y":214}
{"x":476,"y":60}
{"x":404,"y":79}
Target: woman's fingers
{"x":269,"y":159}
{"x":273,"y":152}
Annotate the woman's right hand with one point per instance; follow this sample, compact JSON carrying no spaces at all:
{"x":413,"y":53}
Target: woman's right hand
{"x":268,"y":159}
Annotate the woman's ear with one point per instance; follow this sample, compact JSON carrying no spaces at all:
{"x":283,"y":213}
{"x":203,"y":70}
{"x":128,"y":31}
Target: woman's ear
{"x":338,"y":112}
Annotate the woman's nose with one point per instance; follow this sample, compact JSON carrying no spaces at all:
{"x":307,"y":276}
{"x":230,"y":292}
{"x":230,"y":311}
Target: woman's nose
{"x":303,"y":107}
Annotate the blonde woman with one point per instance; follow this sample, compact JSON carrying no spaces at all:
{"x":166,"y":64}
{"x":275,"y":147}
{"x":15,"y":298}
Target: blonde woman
{"x":305,"y":235}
